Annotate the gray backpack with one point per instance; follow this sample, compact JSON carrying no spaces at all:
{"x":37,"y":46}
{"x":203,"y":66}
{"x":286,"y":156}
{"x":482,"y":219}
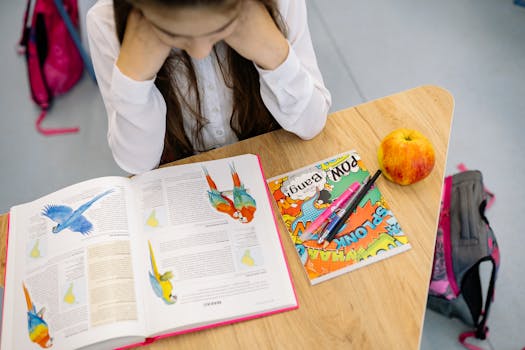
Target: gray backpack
{"x":464,"y":240}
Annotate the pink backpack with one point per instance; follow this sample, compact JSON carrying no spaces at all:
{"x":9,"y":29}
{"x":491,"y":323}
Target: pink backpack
{"x":53,"y":53}
{"x":464,"y":241}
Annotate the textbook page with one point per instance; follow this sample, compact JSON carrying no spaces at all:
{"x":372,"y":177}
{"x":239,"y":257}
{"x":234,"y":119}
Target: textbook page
{"x":211,"y":248}
{"x":73,"y":281}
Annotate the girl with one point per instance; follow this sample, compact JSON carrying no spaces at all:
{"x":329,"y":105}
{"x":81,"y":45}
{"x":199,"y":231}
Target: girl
{"x":184,"y":76}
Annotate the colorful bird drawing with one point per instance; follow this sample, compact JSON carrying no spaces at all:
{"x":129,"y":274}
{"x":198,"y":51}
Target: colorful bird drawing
{"x":243,"y":202}
{"x":161,"y":283}
{"x":37,"y":327}
{"x":241,"y":208}
{"x":219,"y":201}
{"x":67,"y":218}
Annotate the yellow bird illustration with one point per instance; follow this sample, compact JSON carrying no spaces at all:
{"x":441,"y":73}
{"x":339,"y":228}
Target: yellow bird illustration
{"x":161,"y":284}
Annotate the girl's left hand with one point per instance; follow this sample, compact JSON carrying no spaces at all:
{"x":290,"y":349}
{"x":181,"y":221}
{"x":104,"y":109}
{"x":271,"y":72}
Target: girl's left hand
{"x":257,"y":37}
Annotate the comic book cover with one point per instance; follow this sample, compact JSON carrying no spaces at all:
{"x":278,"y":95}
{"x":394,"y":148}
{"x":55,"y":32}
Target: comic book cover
{"x":370,"y":234}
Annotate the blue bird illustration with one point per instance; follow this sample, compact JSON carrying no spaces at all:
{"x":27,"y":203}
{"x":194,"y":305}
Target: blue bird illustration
{"x":66,"y":217}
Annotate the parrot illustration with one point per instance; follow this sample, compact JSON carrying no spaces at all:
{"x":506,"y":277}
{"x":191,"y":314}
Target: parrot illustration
{"x":218,"y":200}
{"x":37,"y":327}
{"x":241,"y":208}
{"x":161,"y":283}
{"x":66,"y":217}
{"x":243,"y":202}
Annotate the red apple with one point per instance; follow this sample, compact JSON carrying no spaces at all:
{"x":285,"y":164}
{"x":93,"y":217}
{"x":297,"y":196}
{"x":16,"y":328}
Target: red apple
{"x":406,"y":156}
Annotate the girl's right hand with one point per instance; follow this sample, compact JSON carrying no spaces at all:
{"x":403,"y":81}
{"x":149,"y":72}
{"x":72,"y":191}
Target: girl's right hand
{"x":142,"y":53}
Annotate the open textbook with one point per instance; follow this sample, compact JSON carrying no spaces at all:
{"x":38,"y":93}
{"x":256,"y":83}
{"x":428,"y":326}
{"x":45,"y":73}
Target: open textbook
{"x":115,"y":261}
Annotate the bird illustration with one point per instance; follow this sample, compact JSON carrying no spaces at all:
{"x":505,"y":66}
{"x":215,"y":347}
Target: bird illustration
{"x":241,"y":208}
{"x":66,"y":217}
{"x":243,"y":202}
{"x":219,"y":201}
{"x":37,"y":327}
{"x":161,"y":283}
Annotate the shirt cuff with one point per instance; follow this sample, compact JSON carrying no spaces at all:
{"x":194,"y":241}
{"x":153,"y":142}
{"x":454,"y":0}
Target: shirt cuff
{"x":285,"y":72}
{"x":128,"y":90}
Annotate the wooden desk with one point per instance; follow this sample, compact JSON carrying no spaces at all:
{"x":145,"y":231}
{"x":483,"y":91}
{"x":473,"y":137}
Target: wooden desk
{"x":380,"y":306}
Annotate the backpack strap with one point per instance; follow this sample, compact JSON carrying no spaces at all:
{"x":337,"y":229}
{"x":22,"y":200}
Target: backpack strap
{"x":447,"y":241}
{"x":24,"y":37}
{"x":481,"y":331}
{"x":463,"y":340}
{"x":50,"y":131}
{"x":76,"y":39}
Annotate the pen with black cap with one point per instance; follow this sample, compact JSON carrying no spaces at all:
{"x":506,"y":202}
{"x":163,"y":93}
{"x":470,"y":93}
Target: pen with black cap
{"x":351,"y":207}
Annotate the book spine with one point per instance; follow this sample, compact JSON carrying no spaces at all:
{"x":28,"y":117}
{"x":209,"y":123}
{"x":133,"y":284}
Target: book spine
{"x":270,"y":201}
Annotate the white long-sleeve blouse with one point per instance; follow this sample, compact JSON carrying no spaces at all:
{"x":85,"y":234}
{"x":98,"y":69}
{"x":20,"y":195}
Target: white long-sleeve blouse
{"x":294,"y":92}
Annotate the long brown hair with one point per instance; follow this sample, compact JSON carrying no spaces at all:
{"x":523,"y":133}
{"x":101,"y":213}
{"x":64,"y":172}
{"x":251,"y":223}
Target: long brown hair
{"x":250,"y":117}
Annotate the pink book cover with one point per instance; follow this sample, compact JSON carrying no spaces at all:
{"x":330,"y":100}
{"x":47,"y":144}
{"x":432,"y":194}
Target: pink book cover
{"x":5,"y":259}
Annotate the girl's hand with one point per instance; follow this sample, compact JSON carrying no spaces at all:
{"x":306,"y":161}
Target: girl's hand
{"x":142,"y":53}
{"x":257,"y":38}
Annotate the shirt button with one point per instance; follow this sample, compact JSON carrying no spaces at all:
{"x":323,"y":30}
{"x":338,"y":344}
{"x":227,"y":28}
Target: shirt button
{"x":215,"y":110}
{"x":219,"y":132}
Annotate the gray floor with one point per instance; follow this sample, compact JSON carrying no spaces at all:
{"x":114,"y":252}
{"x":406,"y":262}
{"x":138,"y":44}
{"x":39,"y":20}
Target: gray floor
{"x":366,"y":50}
